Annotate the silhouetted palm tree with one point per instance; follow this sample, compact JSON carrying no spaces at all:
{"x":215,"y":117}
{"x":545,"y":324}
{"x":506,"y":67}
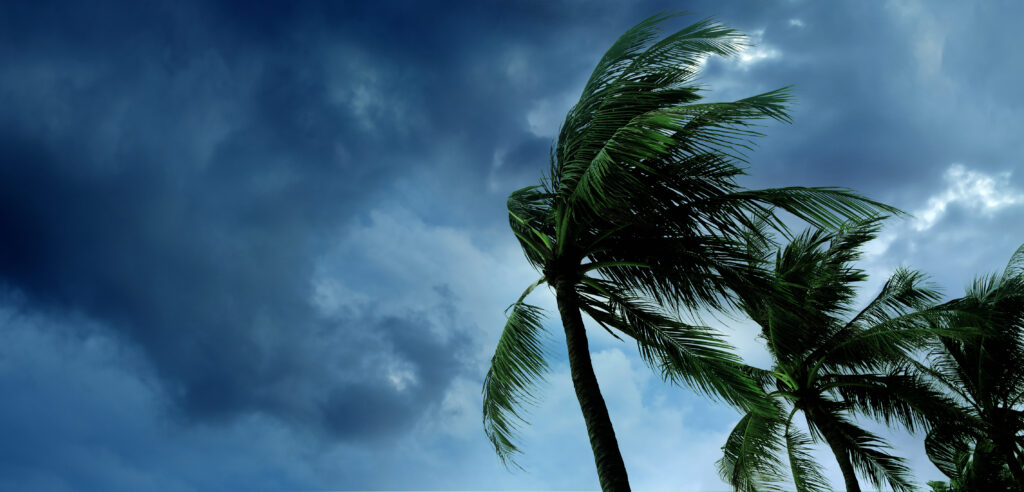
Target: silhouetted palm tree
{"x":986,"y":374}
{"x":831,"y":363}
{"x":641,"y":213}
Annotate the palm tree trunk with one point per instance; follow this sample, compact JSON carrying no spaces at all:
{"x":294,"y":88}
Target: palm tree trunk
{"x":611,"y":470}
{"x":839,"y":449}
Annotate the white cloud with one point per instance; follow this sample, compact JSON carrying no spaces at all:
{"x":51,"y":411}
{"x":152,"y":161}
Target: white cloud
{"x":971,"y":189}
{"x":757,"y":52}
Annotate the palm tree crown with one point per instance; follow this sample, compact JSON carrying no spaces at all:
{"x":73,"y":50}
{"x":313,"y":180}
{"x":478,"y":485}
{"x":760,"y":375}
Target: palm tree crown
{"x":832,"y":362}
{"x":639,"y":214}
{"x":985,"y":372}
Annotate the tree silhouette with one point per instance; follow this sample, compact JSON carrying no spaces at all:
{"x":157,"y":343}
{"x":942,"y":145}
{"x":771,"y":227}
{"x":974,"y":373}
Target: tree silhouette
{"x":831,"y":363}
{"x":986,"y":374}
{"x":639,"y":216}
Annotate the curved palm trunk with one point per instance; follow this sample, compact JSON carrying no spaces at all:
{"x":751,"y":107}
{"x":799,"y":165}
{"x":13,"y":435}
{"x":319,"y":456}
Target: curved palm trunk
{"x":611,"y":471}
{"x":838,"y":445}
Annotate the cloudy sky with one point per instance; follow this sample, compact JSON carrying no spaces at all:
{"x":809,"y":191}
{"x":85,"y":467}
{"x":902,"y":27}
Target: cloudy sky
{"x":262,"y":245}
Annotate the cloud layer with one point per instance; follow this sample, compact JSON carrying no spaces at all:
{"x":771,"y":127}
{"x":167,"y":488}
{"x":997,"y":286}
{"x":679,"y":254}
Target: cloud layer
{"x":263,"y":245}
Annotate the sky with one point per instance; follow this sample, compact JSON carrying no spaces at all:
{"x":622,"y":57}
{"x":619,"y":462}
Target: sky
{"x":262,"y":245}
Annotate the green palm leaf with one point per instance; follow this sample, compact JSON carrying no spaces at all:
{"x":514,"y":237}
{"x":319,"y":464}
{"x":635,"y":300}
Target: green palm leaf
{"x":693,"y":355}
{"x":869,"y":455}
{"x":807,"y":474}
{"x":749,"y":461}
{"x":517,"y":366}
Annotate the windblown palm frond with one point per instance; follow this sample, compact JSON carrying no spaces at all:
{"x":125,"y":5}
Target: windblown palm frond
{"x":693,"y":355}
{"x":897,"y":398}
{"x":748,"y":462}
{"x":807,"y":474}
{"x":869,"y":455}
{"x":518,"y":364}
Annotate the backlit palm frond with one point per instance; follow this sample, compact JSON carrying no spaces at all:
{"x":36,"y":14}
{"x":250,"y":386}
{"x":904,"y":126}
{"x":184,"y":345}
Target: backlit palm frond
{"x":681,"y":54}
{"x":634,"y":113}
{"x":869,"y":456}
{"x":528,"y":211}
{"x":906,"y":291}
{"x":893,"y":398}
{"x":517,"y":366}
{"x":948,"y":449}
{"x":693,"y":355}
{"x":807,"y":474}
{"x":648,"y":142}
{"x":823,"y":207}
{"x":691,"y":272}
{"x":750,"y":457}
{"x":985,"y":372}
{"x":1015,"y":267}
{"x":636,"y":76}
{"x":884,"y":344}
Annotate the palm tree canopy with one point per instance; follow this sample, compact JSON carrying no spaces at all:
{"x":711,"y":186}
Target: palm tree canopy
{"x":986,"y":373}
{"x":833,"y":362}
{"x":641,"y":214}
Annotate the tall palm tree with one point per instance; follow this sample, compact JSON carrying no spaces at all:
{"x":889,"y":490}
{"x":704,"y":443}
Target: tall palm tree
{"x":641,"y":215}
{"x":986,"y":374}
{"x":831,"y":363}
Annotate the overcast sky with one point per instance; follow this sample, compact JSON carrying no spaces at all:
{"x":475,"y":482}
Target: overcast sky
{"x":262,"y":246}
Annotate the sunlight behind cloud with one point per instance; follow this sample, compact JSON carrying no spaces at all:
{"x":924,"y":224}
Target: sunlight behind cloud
{"x":757,"y":52}
{"x":972,"y":189}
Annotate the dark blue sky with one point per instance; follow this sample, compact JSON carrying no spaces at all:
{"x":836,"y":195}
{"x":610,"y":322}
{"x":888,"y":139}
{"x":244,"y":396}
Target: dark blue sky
{"x":262,"y":245}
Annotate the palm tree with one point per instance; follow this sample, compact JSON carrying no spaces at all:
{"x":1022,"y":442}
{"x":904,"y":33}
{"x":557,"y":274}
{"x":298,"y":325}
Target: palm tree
{"x":833,"y":363}
{"x":641,"y":215}
{"x":986,"y":374}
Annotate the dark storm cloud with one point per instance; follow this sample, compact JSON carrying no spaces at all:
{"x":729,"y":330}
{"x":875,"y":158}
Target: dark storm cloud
{"x":169,"y":173}
{"x":172,"y":172}
{"x":885,"y":96}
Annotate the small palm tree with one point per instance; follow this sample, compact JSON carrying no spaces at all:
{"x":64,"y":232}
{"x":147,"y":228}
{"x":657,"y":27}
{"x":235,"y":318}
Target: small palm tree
{"x":641,"y":215}
{"x":832,"y":363}
{"x":986,"y":374}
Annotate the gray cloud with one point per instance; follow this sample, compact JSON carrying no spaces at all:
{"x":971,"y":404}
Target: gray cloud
{"x":173,"y":179}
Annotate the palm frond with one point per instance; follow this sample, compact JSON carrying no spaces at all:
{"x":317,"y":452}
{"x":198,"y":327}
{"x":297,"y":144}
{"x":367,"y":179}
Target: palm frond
{"x":658,"y":139}
{"x":518,"y":364}
{"x":750,"y":457}
{"x":807,"y":474}
{"x":948,"y":450}
{"x":905,"y":291}
{"x":884,"y":344}
{"x":893,"y":398}
{"x":696,"y":356}
{"x":822,"y":207}
{"x":528,"y":214}
{"x":1015,"y":267}
{"x":869,"y":456}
